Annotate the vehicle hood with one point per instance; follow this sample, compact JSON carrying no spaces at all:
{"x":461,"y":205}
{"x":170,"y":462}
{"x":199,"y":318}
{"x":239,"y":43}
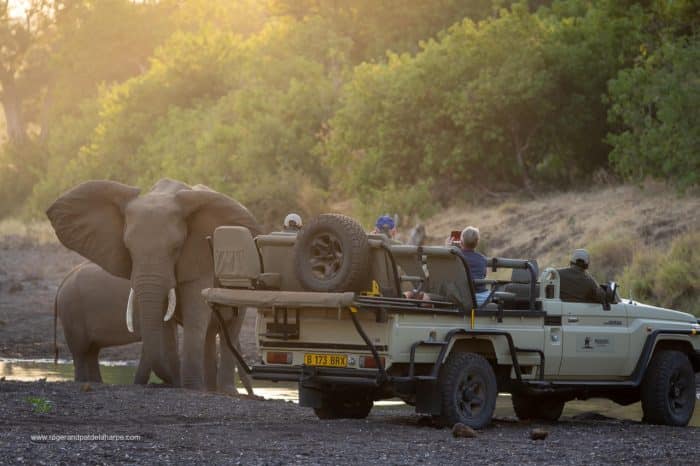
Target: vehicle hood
{"x":646,"y":311}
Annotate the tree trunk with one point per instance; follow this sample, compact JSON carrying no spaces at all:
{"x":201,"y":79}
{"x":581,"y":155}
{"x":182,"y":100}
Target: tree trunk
{"x":12,"y":105}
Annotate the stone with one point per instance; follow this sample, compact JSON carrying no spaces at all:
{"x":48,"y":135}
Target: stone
{"x":538,"y":434}
{"x":462,"y":430}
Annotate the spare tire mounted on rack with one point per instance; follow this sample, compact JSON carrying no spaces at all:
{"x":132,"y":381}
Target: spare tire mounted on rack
{"x":332,"y":254}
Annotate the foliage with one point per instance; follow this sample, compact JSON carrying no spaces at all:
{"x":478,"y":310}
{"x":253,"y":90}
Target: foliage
{"x":397,"y":25}
{"x":40,"y":405}
{"x":611,"y":256}
{"x":671,"y":279}
{"x":656,"y":104}
{"x":239,"y":114}
{"x":399,"y":105}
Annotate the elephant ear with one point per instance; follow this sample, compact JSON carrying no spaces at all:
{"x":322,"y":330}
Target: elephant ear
{"x":89,"y":219}
{"x":204,"y":212}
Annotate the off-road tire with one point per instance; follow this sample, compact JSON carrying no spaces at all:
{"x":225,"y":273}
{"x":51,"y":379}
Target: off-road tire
{"x":668,"y":389}
{"x":332,"y":254}
{"x":468,"y":390}
{"x":344,"y":409}
{"x":528,"y":407}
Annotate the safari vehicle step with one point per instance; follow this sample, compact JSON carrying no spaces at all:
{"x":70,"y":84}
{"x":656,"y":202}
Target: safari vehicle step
{"x":332,"y":317}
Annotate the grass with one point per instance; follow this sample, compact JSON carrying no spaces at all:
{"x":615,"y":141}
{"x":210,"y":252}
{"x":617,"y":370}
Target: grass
{"x":40,"y":405}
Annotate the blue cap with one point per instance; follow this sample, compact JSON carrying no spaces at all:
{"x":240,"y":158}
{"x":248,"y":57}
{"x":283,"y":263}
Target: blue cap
{"x":385,"y":223}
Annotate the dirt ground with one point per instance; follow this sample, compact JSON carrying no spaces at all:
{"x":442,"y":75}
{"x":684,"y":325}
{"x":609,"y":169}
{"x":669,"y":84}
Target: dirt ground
{"x":185,"y":427}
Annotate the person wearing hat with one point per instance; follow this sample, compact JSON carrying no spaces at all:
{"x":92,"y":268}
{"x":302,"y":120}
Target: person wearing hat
{"x":385,"y":225}
{"x":292,"y":223}
{"x":576,"y":284}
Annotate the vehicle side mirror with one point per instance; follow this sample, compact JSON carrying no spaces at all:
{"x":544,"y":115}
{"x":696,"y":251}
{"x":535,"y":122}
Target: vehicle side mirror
{"x":612,"y":292}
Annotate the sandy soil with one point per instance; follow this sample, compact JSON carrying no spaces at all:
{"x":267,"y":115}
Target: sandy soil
{"x":180,"y":426}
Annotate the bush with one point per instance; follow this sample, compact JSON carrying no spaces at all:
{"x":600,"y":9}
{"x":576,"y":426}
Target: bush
{"x":610,"y":257}
{"x":671,"y":280}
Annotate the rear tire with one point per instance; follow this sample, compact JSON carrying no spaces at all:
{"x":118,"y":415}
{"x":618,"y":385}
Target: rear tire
{"x":668,"y":389}
{"x":529,"y":407}
{"x":468,"y":390}
{"x":344,"y":409}
{"x":332,"y":254}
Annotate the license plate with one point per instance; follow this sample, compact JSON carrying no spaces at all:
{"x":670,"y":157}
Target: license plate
{"x":325,"y":360}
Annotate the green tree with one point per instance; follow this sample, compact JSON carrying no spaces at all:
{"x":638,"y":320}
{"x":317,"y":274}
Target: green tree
{"x":656,"y":104}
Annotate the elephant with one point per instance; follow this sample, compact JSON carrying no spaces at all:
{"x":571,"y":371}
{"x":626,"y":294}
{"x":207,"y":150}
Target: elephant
{"x":90,"y":303}
{"x":157,"y":241}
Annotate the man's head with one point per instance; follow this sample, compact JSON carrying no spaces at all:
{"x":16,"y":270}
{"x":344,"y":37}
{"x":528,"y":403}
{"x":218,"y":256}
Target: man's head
{"x":469,"y":238}
{"x":580,"y":258}
{"x":292,"y":222}
{"x":385,"y":224}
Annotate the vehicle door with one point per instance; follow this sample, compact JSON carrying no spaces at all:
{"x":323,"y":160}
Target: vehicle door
{"x":595,"y":341}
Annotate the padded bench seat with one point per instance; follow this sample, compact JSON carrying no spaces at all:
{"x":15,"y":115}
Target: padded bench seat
{"x":267,"y":299}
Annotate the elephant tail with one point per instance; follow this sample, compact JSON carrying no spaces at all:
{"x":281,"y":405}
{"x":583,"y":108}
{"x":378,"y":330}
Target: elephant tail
{"x":55,"y":324}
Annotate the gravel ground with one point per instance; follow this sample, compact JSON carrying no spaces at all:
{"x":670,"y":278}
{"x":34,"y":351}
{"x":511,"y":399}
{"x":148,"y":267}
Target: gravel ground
{"x":181,"y":426}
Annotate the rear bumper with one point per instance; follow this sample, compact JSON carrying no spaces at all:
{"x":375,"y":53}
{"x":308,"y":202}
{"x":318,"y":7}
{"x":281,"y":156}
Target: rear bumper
{"x":307,"y":375}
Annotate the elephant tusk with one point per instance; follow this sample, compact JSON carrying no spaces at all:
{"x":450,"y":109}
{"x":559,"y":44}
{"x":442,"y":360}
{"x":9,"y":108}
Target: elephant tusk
{"x":130,"y":311}
{"x":172,"y":301}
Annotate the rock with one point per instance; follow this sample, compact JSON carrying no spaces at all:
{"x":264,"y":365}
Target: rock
{"x":86,"y":387}
{"x":461,"y":430}
{"x":538,"y":434}
{"x":16,"y":287}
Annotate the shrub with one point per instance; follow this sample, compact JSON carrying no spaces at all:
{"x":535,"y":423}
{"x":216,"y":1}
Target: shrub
{"x":610,"y":256}
{"x":670,"y":280}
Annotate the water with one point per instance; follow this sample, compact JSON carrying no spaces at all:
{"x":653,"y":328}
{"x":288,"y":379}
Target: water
{"x":122,"y":372}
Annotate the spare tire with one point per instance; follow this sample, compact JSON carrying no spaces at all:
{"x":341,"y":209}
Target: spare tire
{"x":332,"y":254}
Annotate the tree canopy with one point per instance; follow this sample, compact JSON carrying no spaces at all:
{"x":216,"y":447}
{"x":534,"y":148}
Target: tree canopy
{"x":295,"y":105}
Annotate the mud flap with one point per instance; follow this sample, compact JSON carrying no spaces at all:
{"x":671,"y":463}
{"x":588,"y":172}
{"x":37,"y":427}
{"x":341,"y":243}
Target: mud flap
{"x":428,"y":397}
{"x":309,"y":397}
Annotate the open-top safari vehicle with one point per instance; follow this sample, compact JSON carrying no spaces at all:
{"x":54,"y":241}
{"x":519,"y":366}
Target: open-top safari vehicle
{"x":332,"y":316}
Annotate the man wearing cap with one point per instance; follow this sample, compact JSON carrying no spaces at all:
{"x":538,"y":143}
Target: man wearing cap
{"x":385,"y":225}
{"x":292,"y":223}
{"x":576,"y":284}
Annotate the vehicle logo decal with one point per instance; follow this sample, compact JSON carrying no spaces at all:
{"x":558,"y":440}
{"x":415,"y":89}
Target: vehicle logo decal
{"x":598,"y":344}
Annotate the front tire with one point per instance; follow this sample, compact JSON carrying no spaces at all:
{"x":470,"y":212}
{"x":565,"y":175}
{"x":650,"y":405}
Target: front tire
{"x":668,"y":389}
{"x":468,"y":390}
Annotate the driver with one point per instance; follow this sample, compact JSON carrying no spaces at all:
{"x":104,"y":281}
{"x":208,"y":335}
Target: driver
{"x":576,"y":284}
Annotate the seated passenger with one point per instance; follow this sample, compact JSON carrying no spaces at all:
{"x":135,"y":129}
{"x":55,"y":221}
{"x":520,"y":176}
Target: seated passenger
{"x":292,"y":223}
{"x":477,"y":261}
{"x":576,"y":284}
{"x":385,"y":225}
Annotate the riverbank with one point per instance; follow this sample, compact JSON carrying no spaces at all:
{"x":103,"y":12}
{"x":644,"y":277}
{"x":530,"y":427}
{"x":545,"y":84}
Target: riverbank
{"x":146,"y":425}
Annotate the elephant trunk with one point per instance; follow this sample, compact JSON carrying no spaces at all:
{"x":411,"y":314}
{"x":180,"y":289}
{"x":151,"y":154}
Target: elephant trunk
{"x":159,"y":342}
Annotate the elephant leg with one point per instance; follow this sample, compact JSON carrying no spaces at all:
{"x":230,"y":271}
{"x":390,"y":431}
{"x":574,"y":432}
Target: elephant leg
{"x":143,"y":373}
{"x":80,"y":368}
{"x":193,"y":345}
{"x":92,"y":365}
{"x":210,"y":369}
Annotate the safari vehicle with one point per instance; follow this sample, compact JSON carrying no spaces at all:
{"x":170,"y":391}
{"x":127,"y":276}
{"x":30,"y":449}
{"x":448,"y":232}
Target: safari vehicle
{"x":332,"y":316}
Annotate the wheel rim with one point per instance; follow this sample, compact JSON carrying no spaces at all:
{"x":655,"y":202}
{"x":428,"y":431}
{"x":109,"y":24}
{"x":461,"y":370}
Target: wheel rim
{"x":470,"y":395}
{"x":326,"y":256}
{"x":677,"y":393}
